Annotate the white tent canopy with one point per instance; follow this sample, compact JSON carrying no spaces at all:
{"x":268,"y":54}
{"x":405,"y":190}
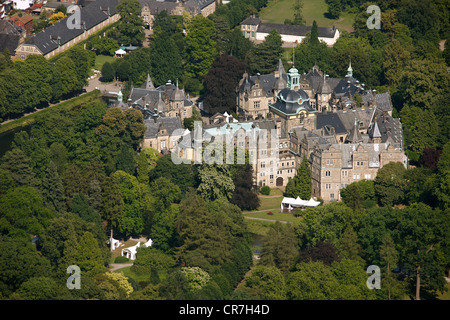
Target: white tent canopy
{"x":298,"y":203}
{"x":120,"y":52}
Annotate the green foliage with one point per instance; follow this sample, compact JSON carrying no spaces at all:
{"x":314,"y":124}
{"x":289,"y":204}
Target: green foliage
{"x":222,"y":78}
{"x":149,"y":258}
{"x":22,"y":212}
{"x":359,"y":195}
{"x":196,"y":277}
{"x":264,"y":57}
{"x":108,"y":72}
{"x":265,"y":190}
{"x":267,"y":282}
{"x":130,"y":29}
{"x":279,"y":247}
{"x":19,"y":262}
{"x":215,"y":181}
{"x":300,"y":184}
{"x":201,"y":47}
{"x":390,"y":184}
{"x":166,"y":62}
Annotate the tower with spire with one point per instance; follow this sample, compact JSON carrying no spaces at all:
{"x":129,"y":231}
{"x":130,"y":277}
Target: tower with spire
{"x":349,"y":70}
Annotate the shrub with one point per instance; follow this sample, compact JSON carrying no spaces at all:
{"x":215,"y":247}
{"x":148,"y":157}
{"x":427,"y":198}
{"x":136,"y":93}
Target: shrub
{"x":121,"y":259}
{"x":265,"y":190}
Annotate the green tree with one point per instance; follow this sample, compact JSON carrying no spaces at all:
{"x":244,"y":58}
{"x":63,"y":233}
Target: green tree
{"x":421,"y":229}
{"x":146,"y":161}
{"x":42,"y":288}
{"x":81,"y":59}
{"x":201,"y":47}
{"x":18,"y":164}
{"x":352,"y":278}
{"x":19,"y":261}
{"x":126,"y":160}
{"x":150,"y":258}
{"x":349,"y":248}
{"x":81,"y":207}
{"x":334,"y":8}
{"x":268,"y":282}
{"x":112,"y":203}
{"x":389,"y":184}
{"x":215,"y":181}
{"x":300,"y":184}
{"x":297,"y":7}
{"x":166,"y":191}
{"x":328,"y":222}
{"x":392,"y":287}
{"x":264,"y":57}
{"x":166,"y":60}
{"x":358,"y":195}
{"x":53,"y":189}
{"x":204,"y":242}
{"x":108,"y":72}
{"x":279,"y":247}
{"x":222,"y":79}
{"x":67,"y":71}
{"x":137,"y":203}
{"x":23,"y":212}
{"x":131,"y":26}
{"x":37,"y":76}
{"x":443,"y":191}
{"x":123,"y":70}
{"x":312,"y":281}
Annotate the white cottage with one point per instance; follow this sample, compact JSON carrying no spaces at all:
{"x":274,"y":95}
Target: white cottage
{"x":130,"y":252}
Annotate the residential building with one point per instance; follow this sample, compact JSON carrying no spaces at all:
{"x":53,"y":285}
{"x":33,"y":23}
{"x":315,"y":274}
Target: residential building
{"x":25,"y":22}
{"x":167,"y":100}
{"x":162,"y":133}
{"x":11,"y":36}
{"x":150,"y":8}
{"x":256,"y":30}
{"x":63,"y":35}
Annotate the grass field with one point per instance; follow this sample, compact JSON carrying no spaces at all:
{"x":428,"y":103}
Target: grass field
{"x":101,"y":59}
{"x":279,"y":10}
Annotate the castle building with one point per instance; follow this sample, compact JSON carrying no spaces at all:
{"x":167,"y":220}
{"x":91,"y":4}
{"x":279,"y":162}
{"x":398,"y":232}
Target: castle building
{"x":344,"y":141}
{"x":150,"y":8}
{"x":167,"y":100}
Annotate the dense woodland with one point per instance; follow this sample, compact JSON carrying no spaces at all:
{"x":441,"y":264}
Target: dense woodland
{"x":79,"y":173}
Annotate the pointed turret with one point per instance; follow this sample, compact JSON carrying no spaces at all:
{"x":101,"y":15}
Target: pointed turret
{"x":148,"y":84}
{"x":350,"y":70}
{"x":354,"y":135}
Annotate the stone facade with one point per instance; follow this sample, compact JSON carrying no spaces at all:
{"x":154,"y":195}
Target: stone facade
{"x":150,"y":8}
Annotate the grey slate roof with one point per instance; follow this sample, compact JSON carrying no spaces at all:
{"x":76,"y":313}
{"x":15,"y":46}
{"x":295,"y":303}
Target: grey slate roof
{"x":251,"y":21}
{"x":9,"y":36}
{"x":153,"y":126}
{"x":330,"y":119}
{"x":58,"y":34}
{"x":287,"y":101}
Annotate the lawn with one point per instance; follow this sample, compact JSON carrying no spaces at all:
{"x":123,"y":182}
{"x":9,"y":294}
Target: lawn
{"x":279,"y":10}
{"x":270,"y":203}
{"x":101,"y":59}
{"x":276,"y":216}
